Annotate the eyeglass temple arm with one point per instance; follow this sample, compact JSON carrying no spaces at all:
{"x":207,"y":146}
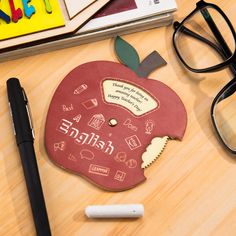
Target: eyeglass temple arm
{"x":225,"y":49}
{"x":192,"y":34}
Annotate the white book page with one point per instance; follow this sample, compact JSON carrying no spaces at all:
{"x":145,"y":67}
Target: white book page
{"x":145,"y":8}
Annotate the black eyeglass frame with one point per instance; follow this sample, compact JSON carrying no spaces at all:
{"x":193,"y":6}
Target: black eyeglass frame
{"x":230,"y":87}
{"x":216,"y":100}
{"x":199,"y":6}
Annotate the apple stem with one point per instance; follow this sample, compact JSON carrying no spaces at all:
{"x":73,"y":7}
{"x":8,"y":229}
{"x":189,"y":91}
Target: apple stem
{"x":153,"y":61}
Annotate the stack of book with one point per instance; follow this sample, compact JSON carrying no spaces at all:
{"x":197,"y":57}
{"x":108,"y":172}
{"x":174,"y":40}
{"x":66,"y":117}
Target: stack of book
{"x":123,"y":17}
{"x":117,"y":17}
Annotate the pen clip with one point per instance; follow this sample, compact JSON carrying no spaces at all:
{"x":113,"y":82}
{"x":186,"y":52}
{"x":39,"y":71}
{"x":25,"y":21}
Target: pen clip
{"x":28,"y":111}
{"x":13,"y":126}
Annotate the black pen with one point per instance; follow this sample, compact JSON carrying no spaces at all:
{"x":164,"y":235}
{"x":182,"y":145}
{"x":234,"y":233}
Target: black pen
{"x":23,"y":131}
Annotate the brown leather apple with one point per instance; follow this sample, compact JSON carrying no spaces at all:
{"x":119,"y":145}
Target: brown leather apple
{"x":102,"y":118}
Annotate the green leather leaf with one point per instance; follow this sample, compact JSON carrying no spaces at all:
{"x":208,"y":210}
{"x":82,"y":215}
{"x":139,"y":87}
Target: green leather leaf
{"x":126,"y":54}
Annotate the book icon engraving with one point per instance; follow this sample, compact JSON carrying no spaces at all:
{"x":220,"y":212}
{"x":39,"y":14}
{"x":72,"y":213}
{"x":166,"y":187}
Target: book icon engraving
{"x":96,"y":121}
{"x":91,"y":103}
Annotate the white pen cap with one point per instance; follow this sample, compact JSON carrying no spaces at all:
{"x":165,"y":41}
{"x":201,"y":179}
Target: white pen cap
{"x":115,"y":211}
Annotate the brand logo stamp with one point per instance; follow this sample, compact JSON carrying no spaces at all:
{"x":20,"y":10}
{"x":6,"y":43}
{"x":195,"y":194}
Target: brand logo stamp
{"x":99,"y":170}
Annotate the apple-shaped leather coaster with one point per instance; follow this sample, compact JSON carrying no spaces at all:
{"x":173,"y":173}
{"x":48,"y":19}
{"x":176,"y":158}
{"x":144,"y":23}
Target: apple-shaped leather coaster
{"x":104,"y":121}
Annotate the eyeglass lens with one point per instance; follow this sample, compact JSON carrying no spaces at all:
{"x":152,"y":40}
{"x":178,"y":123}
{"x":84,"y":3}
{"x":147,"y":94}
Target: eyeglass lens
{"x":196,"y":43}
{"x":224,"y":115}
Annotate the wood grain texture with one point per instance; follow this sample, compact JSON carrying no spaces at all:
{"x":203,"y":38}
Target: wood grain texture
{"x":190,"y":189}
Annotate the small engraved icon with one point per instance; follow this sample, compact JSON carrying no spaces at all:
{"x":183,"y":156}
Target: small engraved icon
{"x":129,"y":125}
{"x":77,"y":118}
{"x":72,"y":158}
{"x":66,"y":108}
{"x":120,"y":175}
{"x":133,"y":142}
{"x":149,"y":126}
{"x":96,"y":121}
{"x":80,"y":89}
{"x":59,"y":146}
{"x":131,"y":163}
{"x":91,"y":103}
{"x":86,"y":154}
{"x":120,"y":157}
{"x":99,"y":170}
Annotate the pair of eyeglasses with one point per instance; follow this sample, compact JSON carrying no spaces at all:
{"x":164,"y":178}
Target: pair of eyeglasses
{"x":209,"y":32}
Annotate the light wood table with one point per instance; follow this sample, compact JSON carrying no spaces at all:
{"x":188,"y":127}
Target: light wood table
{"x":190,"y":189}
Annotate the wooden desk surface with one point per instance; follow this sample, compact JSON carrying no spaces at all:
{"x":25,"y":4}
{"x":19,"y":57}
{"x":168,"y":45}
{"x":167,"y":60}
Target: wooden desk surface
{"x":190,"y":189}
